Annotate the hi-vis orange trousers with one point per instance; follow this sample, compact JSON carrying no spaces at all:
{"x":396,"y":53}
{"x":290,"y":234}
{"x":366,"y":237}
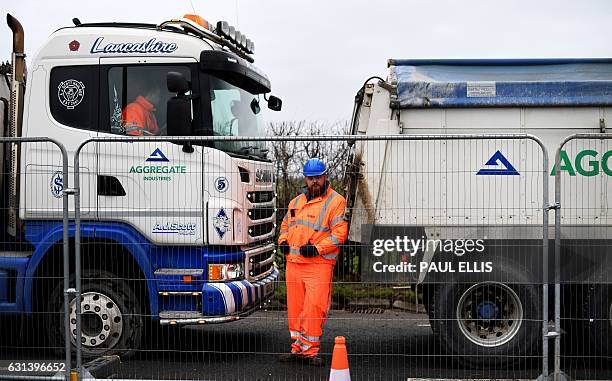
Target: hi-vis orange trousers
{"x":309,"y":287}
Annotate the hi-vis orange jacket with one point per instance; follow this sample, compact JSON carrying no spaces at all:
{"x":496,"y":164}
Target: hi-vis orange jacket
{"x":138,"y":118}
{"x":319,"y":221}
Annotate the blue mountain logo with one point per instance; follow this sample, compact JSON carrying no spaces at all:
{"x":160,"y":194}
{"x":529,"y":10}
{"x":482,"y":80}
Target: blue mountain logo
{"x":498,"y":160}
{"x":157,"y":156}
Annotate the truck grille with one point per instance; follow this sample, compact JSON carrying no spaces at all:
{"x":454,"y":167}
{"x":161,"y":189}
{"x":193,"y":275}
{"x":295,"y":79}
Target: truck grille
{"x":258,"y":197}
{"x":260,"y":261}
{"x":261,"y":230}
{"x":260,"y":213}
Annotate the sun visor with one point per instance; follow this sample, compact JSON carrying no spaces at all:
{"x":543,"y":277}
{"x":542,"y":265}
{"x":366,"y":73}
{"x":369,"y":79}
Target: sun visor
{"x":234,"y":70}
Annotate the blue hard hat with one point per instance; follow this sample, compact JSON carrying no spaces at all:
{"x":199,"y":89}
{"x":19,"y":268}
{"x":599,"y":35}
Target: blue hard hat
{"x":314,"y":167}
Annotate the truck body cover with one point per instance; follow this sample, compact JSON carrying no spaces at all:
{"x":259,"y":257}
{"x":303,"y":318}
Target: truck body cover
{"x":446,"y":184}
{"x":502,"y":83}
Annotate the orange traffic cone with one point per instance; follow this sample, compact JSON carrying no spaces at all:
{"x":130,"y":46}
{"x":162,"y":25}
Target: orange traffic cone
{"x":339,"y":368}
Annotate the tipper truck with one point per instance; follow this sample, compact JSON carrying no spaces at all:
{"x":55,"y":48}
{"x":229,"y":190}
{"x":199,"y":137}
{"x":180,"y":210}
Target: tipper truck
{"x":176,"y":233}
{"x":489,"y":192}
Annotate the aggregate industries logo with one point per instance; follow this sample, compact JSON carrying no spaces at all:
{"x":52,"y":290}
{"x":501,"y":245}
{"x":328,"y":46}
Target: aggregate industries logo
{"x":163,"y":171}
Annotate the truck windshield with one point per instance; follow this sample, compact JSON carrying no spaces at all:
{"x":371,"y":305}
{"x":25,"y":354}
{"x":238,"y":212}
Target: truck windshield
{"x":236,"y":112}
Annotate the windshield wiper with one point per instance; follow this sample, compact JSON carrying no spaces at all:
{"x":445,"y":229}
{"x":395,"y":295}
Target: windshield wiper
{"x":248,"y":149}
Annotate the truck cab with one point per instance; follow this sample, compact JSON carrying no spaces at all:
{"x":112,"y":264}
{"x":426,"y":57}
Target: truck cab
{"x":172,"y":232}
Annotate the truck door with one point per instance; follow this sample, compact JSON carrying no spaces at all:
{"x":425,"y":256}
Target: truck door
{"x":155,"y":187}
{"x":61,"y":103}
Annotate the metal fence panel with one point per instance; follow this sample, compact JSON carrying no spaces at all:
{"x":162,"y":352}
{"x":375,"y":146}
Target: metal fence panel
{"x":34,"y":260}
{"x":162,"y":217}
{"x":583,"y":227}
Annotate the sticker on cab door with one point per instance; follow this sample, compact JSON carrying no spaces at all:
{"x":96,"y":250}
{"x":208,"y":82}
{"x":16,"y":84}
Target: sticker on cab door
{"x":221,"y":184}
{"x":221,"y":223}
{"x":57,"y":184}
{"x":71,"y":93}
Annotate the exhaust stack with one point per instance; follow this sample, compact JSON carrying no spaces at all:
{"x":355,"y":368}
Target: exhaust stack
{"x":15,"y":122}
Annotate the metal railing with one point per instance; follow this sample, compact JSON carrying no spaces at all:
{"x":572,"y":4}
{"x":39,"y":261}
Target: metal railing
{"x":46,"y":165}
{"x":154,"y":206}
{"x":414,"y":186}
{"x":583,"y":226}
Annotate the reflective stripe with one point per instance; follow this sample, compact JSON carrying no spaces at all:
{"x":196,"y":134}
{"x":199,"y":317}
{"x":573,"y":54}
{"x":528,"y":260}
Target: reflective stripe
{"x":339,"y":374}
{"x":132,"y":128}
{"x":334,"y":240}
{"x":325,"y":205}
{"x":295,"y":202}
{"x":309,"y":225}
{"x":294,"y":251}
{"x":295,"y":334}
{"x":336,"y":220}
{"x":312,"y":339}
{"x":329,"y":256}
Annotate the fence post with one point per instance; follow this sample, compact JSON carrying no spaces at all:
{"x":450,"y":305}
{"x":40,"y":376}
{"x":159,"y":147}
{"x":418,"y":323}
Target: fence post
{"x":558,"y":374}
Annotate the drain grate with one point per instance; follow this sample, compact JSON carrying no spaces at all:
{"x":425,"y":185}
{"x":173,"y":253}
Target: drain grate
{"x":365,"y":310}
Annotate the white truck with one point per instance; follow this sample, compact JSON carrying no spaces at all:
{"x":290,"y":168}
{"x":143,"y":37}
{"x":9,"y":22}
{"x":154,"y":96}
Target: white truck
{"x":489,"y":191}
{"x":171,"y":233}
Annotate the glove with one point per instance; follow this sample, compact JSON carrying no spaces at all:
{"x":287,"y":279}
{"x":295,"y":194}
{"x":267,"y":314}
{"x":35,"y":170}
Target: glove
{"x":308,"y":250}
{"x":284,"y":248}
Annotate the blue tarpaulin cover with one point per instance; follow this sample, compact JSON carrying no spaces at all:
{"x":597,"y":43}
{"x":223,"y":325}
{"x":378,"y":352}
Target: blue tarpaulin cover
{"x":501,"y":83}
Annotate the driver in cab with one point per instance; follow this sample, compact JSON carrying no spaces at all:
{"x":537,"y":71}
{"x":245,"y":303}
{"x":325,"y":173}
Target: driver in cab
{"x":138,"y":117}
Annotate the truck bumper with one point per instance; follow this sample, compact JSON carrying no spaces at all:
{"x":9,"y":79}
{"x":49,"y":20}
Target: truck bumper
{"x":227,"y":301}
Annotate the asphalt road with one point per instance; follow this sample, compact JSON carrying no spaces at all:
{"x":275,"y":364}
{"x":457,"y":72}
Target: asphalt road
{"x":388,"y":346}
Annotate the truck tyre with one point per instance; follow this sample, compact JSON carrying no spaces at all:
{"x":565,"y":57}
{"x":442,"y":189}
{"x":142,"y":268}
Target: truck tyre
{"x":112,"y":321}
{"x":598,"y":314}
{"x":488,"y":323}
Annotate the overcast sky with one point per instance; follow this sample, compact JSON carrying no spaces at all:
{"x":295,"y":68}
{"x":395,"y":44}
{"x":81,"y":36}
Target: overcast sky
{"x":318,"y":53}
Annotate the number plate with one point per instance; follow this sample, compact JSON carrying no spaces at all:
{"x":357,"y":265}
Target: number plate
{"x":268,"y":288}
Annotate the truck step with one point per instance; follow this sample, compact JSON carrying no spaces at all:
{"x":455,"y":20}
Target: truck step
{"x":180,"y":314}
{"x":178,"y":272}
{"x":16,"y":254}
{"x":191,"y":317}
{"x":182,"y":293}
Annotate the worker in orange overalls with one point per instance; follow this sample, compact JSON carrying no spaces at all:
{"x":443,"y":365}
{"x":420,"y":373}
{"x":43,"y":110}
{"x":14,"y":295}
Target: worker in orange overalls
{"x":139,"y":116}
{"x":311,"y":234}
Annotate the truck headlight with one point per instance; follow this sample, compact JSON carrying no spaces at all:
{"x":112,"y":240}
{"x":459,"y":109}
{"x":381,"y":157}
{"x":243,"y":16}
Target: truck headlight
{"x":225,"y":271}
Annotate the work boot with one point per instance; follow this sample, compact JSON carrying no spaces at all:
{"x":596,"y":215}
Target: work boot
{"x":313,"y":360}
{"x":289,"y":357}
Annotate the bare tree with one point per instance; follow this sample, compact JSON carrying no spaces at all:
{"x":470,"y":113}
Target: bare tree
{"x":334,"y":153}
{"x":289,"y":156}
{"x":284,"y":155}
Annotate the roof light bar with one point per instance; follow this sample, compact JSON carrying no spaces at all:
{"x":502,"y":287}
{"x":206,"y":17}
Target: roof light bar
{"x":222,"y":28}
{"x":239,"y":39}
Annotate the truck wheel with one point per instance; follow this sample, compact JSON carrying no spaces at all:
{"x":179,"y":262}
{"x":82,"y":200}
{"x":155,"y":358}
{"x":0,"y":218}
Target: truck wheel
{"x":488,"y":323}
{"x":111,"y":317}
{"x":598,"y":314}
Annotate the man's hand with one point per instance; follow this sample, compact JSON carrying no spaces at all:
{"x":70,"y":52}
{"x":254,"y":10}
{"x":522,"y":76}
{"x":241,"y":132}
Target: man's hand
{"x":309,"y":250}
{"x":284,"y":248}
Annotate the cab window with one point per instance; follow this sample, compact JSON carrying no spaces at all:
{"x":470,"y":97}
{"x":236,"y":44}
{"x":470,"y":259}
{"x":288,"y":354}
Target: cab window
{"x":137,"y":98}
{"x":73,"y":95}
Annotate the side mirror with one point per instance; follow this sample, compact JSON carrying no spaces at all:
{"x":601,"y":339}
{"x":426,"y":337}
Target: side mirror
{"x":274,"y":103}
{"x":177,"y":83}
{"x":178,"y":116}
